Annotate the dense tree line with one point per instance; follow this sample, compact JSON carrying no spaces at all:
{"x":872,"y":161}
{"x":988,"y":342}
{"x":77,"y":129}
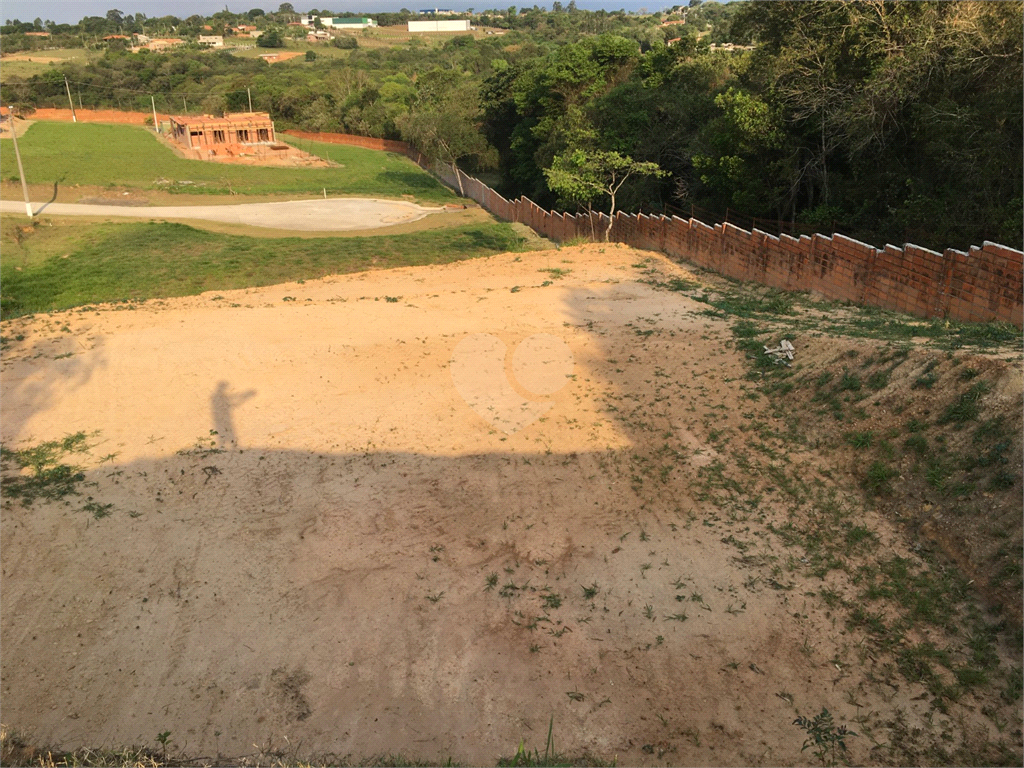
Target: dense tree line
{"x":893,"y":121}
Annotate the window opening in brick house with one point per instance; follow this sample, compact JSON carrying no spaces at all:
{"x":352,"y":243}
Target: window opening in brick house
{"x":218,"y":137}
{"x":243,"y":135}
{"x":263,"y":134}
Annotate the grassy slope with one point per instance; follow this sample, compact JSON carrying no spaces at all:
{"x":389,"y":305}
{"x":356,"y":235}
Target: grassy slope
{"x":19,"y":66}
{"x":132,"y":156}
{"x":113,"y":262}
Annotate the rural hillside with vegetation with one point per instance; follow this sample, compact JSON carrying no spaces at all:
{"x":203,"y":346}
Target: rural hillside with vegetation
{"x":435,"y":488}
{"x":890,"y":122}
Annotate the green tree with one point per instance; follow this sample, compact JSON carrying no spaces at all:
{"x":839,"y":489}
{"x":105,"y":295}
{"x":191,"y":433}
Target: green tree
{"x":272,"y":38}
{"x":442,"y":123}
{"x":582,"y":176}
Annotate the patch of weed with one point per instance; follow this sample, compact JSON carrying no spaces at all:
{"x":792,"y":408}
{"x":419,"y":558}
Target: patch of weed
{"x":967,"y":406}
{"x":860,"y":439}
{"x":50,"y":478}
{"x":876,"y":481}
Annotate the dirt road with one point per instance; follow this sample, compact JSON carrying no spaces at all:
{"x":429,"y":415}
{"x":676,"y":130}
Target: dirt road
{"x":330,"y":215}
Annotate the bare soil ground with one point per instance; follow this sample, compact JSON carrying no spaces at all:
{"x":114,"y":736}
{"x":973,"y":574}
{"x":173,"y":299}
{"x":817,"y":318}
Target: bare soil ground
{"x":325,"y":215}
{"x":281,"y":155}
{"x":429,"y":510}
{"x":123,"y":195}
{"x":18,"y":126}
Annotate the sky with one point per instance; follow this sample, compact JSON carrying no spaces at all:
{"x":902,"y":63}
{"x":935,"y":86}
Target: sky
{"x":70,"y":11}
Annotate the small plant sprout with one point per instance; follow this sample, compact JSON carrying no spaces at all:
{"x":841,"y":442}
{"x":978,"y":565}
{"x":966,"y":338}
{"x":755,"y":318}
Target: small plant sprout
{"x":492,"y":582}
{"x":163,"y":738}
{"x":589,"y":593}
{"x":828,"y":741}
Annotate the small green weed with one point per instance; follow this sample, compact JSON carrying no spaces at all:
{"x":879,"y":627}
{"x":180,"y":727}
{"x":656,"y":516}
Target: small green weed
{"x":967,"y":406}
{"x":878,"y":476}
{"x":860,"y":439}
{"x":828,"y":741}
{"x":50,"y":478}
{"x":917,"y":443}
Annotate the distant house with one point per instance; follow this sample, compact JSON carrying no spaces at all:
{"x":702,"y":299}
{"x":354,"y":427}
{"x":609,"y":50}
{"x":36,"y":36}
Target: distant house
{"x":436,"y":11}
{"x":39,"y":34}
{"x":108,"y":38}
{"x":318,"y":36}
{"x":141,"y":39}
{"x":359,"y":22}
{"x":213,"y":41}
{"x":163,"y":43}
{"x":244,"y":29}
{"x":223,"y":135}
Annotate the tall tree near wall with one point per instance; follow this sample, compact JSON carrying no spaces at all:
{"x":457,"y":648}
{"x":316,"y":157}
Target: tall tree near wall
{"x":443,"y":122}
{"x":582,"y":176}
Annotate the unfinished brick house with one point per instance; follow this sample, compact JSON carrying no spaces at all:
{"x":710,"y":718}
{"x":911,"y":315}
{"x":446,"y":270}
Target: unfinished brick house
{"x":242,"y":137}
{"x":239,"y":133}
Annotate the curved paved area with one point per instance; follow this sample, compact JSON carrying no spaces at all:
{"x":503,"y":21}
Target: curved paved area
{"x":331,"y":215}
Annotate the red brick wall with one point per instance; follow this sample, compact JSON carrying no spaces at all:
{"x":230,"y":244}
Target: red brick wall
{"x":356,"y":141}
{"x":96,"y":116}
{"x":983,"y":285}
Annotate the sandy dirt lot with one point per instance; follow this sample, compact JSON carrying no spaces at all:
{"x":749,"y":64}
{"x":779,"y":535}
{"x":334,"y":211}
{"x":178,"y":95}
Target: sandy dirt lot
{"x":328,"y":215}
{"x":423,"y":511}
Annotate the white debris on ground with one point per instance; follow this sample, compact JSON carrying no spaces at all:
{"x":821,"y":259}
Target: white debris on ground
{"x":782,"y":353}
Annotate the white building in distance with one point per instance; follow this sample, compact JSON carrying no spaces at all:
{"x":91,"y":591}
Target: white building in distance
{"x":457,"y":25}
{"x":336,"y":22}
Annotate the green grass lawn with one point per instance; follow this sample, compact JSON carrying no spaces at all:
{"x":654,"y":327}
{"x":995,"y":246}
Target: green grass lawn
{"x":80,"y":264}
{"x":119,"y":155}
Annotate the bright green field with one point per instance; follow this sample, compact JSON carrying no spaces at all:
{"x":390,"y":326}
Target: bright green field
{"x":73,"y":264}
{"x":119,"y":155}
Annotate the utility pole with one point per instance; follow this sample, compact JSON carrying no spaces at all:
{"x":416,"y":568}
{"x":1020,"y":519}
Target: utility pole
{"x":74,"y":117}
{"x":21,"y":169}
{"x":156,"y":125}
{"x":249,"y":91}
{"x":185,"y":104}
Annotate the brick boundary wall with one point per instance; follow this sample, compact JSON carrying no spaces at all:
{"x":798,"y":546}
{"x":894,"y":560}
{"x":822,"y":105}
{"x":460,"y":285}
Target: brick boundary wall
{"x":95,"y":116}
{"x":983,"y":284}
{"x":980,"y":285}
{"x":367,"y":142}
